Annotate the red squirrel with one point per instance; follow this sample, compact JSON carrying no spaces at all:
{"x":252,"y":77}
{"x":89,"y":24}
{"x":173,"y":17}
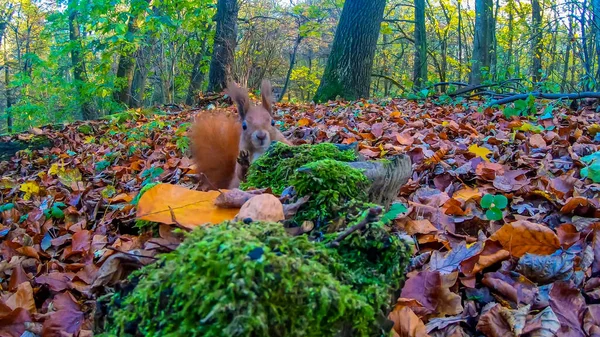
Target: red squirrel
{"x":223,"y":147}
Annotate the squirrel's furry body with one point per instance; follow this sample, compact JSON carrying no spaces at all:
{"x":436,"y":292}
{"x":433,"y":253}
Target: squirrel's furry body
{"x":223,"y":146}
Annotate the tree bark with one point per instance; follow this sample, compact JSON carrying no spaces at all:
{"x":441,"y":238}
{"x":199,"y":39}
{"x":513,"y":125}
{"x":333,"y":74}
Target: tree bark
{"x":482,"y":44}
{"x":536,"y":41}
{"x":596,"y":28}
{"x":291,"y":68}
{"x":8,"y":94}
{"x":87,"y":112}
{"x":420,"y":65}
{"x":197,"y":76}
{"x":224,"y":45}
{"x":348,"y":69}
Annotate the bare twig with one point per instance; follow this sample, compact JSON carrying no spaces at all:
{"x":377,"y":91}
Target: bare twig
{"x":372,"y":216}
{"x":177,"y":222}
{"x":577,"y":95}
{"x":132,"y":254}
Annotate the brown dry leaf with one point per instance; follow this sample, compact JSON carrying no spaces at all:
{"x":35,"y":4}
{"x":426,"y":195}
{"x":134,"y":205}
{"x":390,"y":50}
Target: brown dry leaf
{"x":406,"y":323}
{"x":190,"y":208}
{"x":377,"y":130}
{"x":422,"y":226}
{"x":234,"y":198}
{"x":492,"y":324}
{"x":521,"y":237}
{"x":431,"y":289}
{"x":569,"y":306}
{"x":591,"y":320}
{"x":573,"y":203}
{"x":491,"y":254}
{"x":536,"y":140}
{"x":466,"y":194}
{"x":13,"y":324}
{"x":516,"y":318}
{"x":264,"y":207}
{"x":116,"y":268}
{"x":544,"y":324}
{"x":567,"y":235}
{"x":22,"y":298}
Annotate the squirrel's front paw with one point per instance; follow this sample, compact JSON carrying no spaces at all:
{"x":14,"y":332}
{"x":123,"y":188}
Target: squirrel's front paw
{"x":244,"y":158}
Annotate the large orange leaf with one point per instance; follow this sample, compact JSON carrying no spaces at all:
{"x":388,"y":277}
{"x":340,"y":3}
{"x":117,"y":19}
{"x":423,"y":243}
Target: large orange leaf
{"x":407,"y":323}
{"x":521,"y":237}
{"x":190,"y":208}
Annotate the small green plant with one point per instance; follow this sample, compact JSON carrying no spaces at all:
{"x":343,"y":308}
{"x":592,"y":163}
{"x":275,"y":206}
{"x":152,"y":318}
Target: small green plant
{"x":494,"y":204}
{"x":522,"y":107}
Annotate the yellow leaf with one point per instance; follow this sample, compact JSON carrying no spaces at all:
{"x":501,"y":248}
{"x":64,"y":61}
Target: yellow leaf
{"x":594,"y":129}
{"x":190,"y":208}
{"x":445,"y":123}
{"x":53,"y":169}
{"x":30,"y":188}
{"x":89,"y":139}
{"x":481,"y":152}
{"x":69,"y":176}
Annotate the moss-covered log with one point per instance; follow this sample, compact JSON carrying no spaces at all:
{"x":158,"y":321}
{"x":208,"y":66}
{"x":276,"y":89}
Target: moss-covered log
{"x":9,"y":147}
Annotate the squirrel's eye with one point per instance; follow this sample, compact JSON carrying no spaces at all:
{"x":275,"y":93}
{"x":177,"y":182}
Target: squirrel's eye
{"x":244,"y":125}
{"x":272,"y":122}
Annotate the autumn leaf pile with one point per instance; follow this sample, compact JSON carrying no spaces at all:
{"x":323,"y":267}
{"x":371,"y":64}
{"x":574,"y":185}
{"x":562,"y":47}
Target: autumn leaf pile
{"x":507,"y":229}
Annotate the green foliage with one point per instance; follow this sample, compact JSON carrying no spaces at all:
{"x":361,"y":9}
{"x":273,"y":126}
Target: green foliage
{"x":521,"y":107}
{"x":254,"y":280}
{"x":494,"y":204}
{"x":55,"y":211}
{"x":277,"y":167}
{"x":592,"y":170}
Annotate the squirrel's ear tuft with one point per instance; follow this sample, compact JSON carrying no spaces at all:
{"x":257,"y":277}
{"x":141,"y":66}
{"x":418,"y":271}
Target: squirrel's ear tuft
{"x":266,"y":95}
{"x":239,"y":96}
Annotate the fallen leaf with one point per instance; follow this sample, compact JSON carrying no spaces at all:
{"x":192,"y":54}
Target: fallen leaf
{"x":591,"y":320}
{"x":67,"y":317}
{"x":22,"y":298}
{"x":406,"y":323}
{"x":377,"y":130}
{"x":431,"y":289}
{"x":423,"y":226}
{"x":569,"y":306}
{"x":544,"y":269}
{"x":465,"y":194}
{"x":56,"y":281}
{"x":492,"y":324}
{"x":303,"y":122}
{"x":491,"y":254}
{"x":263,"y":207}
{"x":116,"y":268}
{"x":521,"y":237}
{"x":449,"y":262}
{"x":536,"y":140}
{"x":480,"y":152}
{"x":13,"y":324}
{"x":190,"y":208}
{"x":544,"y":324}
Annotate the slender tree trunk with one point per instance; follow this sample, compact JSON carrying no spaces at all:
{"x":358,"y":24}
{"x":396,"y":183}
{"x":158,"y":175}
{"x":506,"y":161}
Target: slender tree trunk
{"x":565,"y":74}
{"x":292,"y":63}
{"x":8,"y":94}
{"x":197,"y":76}
{"x":87,"y":112}
{"x":511,"y":34}
{"x":126,"y":67}
{"x":349,"y":65}
{"x":224,"y":46}
{"x":420,"y":66}
{"x":536,"y":41}
{"x":140,"y":74}
{"x":482,"y":44}
{"x":460,"y":42}
{"x":596,"y":6}
{"x":584,"y":45}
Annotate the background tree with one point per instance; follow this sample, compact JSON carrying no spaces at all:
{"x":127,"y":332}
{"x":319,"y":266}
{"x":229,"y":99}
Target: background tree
{"x":420,"y":64}
{"x":348,"y":70}
{"x":224,"y":45}
{"x":482,"y":43}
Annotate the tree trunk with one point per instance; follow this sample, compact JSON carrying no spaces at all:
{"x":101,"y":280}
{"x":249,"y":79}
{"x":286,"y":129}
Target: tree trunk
{"x":536,"y":41}
{"x":197,"y":76}
{"x":8,"y":94}
{"x":348,"y":69}
{"x":420,"y":65}
{"x":460,"y":43}
{"x":596,"y":27}
{"x":511,"y":33}
{"x":87,"y":112}
{"x":126,"y":67}
{"x":568,"y":52}
{"x":292,"y":62}
{"x":224,"y":45}
{"x":482,"y":44}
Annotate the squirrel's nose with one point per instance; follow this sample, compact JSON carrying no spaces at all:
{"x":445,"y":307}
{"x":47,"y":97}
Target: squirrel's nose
{"x":261,"y":135}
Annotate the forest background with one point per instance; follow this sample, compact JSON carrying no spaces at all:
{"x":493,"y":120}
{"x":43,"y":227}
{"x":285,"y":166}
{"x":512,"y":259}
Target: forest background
{"x":70,"y":59}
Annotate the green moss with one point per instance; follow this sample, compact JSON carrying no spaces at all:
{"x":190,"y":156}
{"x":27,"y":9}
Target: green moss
{"x":278,"y":165}
{"x":255,"y":280}
{"x":332,"y":185}
{"x":85,"y":129}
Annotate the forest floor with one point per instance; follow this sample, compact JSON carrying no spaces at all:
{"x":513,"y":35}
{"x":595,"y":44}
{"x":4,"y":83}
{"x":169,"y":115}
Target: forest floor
{"x":506,"y":228}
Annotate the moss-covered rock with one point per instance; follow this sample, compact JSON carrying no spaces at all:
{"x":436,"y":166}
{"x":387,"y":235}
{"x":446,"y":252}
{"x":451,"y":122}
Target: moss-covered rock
{"x":278,"y":165}
{"x":255,"y":280}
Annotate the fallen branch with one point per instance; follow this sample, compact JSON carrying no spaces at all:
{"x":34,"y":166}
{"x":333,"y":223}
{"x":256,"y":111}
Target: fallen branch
{"x":578,"y":95}
{"x":372,"y":216}
{"x":393,"y":81}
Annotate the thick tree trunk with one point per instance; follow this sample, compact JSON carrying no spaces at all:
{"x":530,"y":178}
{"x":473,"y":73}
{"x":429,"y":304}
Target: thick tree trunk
{"x":420,"y":66}
{"x":291,"y":68}
{"x":87,"y":112}
{"x":224,"y":45}
{"x":197,"y":76}
{"x":482,"y":44}
{"x":348,"y":69}
{"x":536,"y":41}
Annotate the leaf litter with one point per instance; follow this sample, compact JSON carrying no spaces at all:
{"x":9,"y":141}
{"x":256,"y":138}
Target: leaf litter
{"x":71,"y":215}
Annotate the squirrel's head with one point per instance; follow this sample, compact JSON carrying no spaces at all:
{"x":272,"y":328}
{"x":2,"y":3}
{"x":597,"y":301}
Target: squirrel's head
{"x":258,"y":125}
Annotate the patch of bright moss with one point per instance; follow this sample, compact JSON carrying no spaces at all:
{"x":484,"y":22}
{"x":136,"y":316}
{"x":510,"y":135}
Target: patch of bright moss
{"x":331,"y":185}
{"x":278,"y":165}
{"x":254,"y":280}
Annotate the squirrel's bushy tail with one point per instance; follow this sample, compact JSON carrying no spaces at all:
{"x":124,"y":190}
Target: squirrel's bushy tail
{"x":214,"y":142}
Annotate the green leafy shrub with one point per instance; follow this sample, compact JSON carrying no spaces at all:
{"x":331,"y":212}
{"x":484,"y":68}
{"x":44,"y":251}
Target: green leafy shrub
{"x":234,"y":279}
